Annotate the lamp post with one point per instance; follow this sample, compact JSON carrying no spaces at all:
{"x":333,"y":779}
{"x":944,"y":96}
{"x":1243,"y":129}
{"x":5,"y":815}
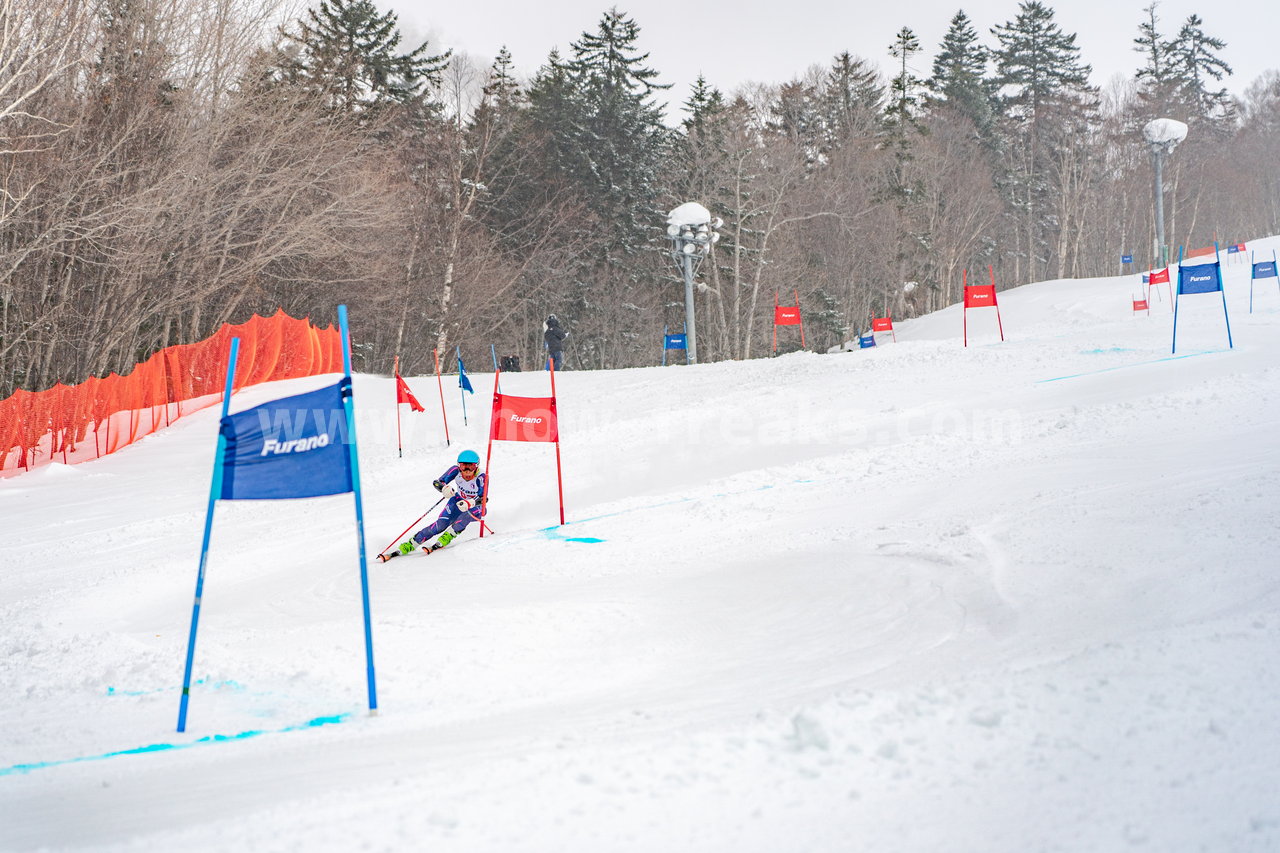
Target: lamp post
{"x":692,"y":231}
{"x":1162,"y":135}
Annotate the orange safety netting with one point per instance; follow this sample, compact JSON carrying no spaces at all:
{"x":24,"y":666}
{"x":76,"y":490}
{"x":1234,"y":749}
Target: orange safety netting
{"x":99,"y":416}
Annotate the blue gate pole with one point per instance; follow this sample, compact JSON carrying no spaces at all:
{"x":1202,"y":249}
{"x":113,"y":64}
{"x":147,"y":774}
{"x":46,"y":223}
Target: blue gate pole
{"x":664,"y":346}
{"x":348,"y":403}
{"x":1176,"y":293}
{"x":1251,"y":281}
{"x":457,"y":351}
{"x":1223,"y":290}
{"x":214,"y":490}
{"x":493,"y":352}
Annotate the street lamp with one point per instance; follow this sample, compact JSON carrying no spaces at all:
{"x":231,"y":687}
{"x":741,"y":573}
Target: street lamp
{"x":692,"y":231}
{"x":1162,"y":135}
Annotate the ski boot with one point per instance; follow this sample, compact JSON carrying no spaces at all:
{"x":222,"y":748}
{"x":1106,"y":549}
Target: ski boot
{"x":402,"y":549}
{"x":445,"y":538}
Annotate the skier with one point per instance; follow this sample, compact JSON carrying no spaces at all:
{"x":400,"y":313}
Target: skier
{"x":463,"y":488}
{"x":554,"y":336}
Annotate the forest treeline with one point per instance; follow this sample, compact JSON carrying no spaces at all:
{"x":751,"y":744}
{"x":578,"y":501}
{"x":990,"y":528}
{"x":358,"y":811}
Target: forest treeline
{"x":167,"y":166}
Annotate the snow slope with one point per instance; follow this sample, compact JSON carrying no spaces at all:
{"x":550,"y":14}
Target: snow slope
{"x":1015,"y":597}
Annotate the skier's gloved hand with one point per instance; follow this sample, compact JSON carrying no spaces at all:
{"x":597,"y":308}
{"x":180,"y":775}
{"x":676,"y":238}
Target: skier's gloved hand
{"x":462,"y":504}
{"x":438,"y":484}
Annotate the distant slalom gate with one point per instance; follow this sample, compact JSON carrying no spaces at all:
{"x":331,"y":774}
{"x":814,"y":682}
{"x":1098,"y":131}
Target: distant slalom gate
{"x":787,"y":315}
{"x":674,"y":341}
{"x":980,"y":296}
{"x":883,"y":324}
{"x":1155,"y":277}
{"x":1200,"y":278}
{"x":523,"y":419}
{"x":1261,"y":269}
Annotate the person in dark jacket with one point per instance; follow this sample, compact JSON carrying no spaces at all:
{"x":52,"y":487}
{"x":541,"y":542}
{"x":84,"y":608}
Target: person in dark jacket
{"x":554,"y":335}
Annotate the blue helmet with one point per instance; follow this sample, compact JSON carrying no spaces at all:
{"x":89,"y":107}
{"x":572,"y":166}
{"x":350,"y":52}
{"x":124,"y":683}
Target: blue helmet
{"x":469,"y":456}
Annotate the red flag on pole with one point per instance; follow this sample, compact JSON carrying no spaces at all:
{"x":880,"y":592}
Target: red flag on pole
{"x":883,"y":324}
{"x":786,"y":315}
{"x":404,"y":395}
{"x":980,"y":296}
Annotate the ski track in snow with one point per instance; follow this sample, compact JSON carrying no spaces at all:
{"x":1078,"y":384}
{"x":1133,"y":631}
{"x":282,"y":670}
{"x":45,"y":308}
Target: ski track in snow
{"x":1015,"y":597}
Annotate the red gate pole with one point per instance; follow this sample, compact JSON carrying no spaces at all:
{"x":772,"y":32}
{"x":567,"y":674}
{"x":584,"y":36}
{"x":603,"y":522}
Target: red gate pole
{"x":443,"y":415}
{"x":775,"y":322}
{"x":395,"y":372}
{"x":488,"y":455}
{"x":999,"y":324}
{"x":555,"y":411}
{"x":796,"y":293}
{"x":964,"y":286}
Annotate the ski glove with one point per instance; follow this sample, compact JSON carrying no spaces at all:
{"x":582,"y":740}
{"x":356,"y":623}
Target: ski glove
{"x":442,"y":487}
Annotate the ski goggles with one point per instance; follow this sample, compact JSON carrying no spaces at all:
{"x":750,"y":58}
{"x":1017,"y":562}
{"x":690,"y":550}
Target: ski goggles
{"x":468,"y":466}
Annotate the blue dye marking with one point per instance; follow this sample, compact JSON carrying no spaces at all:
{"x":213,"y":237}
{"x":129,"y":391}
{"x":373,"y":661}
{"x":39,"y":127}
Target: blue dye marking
{"x":218,"y":685}
{"x":1135,"y":364}
{"x":164,"y":747}
{"x":1103,"y":350}
{"x":583,"y":539}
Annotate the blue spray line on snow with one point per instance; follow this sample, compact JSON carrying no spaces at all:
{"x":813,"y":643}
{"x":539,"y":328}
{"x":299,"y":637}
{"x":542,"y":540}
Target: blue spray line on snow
{"x":217,"y":685}
{"x":1135,"y":364}
{"x":165,"y":747}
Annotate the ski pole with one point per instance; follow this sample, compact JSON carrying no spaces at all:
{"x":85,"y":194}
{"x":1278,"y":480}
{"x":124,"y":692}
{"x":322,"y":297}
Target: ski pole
{"x":411,"y":526}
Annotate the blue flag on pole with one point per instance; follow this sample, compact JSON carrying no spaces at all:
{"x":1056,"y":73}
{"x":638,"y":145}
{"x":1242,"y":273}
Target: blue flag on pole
{"x":1264,"y":269}
{"x":675,"y":342}
{"x":866,"y":341}
{"x":290,"y":448}
{"x":463,"y":382}
{"x":1204,"y":278}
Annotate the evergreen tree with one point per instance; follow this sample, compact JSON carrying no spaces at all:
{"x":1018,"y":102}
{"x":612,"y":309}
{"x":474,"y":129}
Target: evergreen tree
{"x":1196,"y":64}
{"x":704,"y":104}
{"x":959,"y":78}
{"x":501,"y":98}
{"x":502,"y":89}
{"x":345,"y":53}
{"x":1048,"y":107}
{"x":1037,"y":65}
{"x":1157,"y":78}
{"x":606,"y":130}
{"x":903,"y":101}
{"x":796,"y":114}
{"x":524,"y":171}
{"x":851,"y":101}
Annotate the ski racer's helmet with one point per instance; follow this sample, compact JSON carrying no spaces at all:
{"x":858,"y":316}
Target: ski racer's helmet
{"x":469,"y":456}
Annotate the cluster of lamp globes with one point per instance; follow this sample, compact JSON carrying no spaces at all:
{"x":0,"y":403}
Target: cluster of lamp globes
{"x":693,"y":230}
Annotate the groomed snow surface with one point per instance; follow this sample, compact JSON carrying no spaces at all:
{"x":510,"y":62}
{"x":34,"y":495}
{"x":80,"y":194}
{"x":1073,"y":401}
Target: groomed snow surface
{"x":1016,"y":597}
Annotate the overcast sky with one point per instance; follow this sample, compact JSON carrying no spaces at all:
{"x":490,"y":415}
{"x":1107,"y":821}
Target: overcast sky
{"x":771,"y":42}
